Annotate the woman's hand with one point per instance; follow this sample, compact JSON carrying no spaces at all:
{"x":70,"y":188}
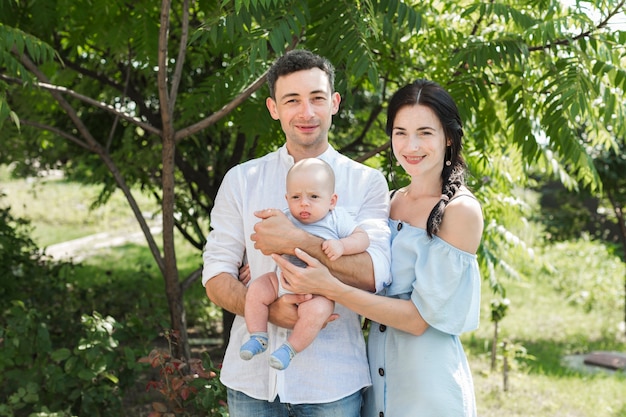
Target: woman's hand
{"x":303,"y":281}
{"x":314,"y":279}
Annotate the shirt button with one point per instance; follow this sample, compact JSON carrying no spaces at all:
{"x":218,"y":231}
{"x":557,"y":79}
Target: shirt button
{"x":382,"y":328}
{"x":399,"y":226}
{"x":381,"y":372}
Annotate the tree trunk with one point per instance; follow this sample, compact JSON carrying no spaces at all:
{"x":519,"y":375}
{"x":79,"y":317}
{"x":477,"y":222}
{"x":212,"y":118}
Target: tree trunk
{"x":505,"y":368}
{"x":494,"y":346}
{"x":173,"y":288}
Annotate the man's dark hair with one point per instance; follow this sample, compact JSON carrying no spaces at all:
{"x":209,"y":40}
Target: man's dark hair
{"x":298,"y":60}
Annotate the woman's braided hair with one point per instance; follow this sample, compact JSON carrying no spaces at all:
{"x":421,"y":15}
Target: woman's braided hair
{"x":429,"y":93}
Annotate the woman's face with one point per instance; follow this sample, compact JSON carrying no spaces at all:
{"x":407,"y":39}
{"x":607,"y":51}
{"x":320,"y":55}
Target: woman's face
{"x":418,"y":140}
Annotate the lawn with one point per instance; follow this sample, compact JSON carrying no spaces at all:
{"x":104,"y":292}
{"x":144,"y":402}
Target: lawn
{"x":570,"y":304}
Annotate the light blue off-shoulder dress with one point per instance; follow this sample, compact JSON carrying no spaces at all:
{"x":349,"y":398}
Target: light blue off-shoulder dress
{"x":426,"y":375}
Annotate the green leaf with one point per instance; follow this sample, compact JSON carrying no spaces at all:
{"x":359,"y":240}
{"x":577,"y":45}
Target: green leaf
{"x":87,"y":374}
{"x":60,"y":355}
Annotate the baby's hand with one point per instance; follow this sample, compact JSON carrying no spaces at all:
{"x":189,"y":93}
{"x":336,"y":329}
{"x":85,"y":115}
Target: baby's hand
{"x":333,"y":249}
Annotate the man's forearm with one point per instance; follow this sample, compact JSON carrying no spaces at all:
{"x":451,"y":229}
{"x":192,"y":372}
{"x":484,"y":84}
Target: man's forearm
{"x":227,"y":292}
{"x":354,"y":270}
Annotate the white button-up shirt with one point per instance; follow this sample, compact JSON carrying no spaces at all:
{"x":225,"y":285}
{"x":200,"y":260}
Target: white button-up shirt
{"x":335,"y":364}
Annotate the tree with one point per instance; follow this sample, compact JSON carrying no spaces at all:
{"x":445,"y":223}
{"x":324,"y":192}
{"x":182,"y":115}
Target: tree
{"x":167,"y":98}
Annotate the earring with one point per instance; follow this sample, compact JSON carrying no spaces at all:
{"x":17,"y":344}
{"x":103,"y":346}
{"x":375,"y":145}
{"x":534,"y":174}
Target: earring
{"x":448,"y":163}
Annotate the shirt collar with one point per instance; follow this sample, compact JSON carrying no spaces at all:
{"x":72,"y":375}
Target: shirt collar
{"x":328,"y":155}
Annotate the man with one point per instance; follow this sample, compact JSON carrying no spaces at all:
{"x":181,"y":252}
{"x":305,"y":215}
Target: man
{"x":327,"y":378}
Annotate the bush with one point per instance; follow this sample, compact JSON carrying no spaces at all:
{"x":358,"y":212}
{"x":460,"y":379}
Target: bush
{"x":56,"y":358}
{"x":37,"y":376}
{"x":188,"y":388}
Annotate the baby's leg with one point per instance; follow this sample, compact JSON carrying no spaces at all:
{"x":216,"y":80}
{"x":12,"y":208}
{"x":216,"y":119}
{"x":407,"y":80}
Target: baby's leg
{"x":261,"y":293}
{"x":312,"y":316}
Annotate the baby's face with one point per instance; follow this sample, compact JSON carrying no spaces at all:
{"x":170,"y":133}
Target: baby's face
{"x":308,"y":198}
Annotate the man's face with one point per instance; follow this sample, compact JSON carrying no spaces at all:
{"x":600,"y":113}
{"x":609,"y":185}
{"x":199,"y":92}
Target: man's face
{"x":304,"y":105}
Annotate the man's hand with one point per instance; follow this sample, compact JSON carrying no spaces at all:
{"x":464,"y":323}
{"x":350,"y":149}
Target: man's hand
{"x":275,"y":233}
{"x":284,"y":311}
{"x":244,"y":274}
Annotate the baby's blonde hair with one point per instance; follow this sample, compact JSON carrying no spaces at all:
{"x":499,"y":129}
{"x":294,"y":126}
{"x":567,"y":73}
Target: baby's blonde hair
{"x":324,"y":171}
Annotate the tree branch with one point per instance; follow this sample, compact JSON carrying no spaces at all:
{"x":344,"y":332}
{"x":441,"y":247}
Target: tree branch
{"x":58,"y":132}
{"x":373,"y":152}
{"x":63,"y":90}
{"x":182,"y":48}
{"x":581,"y":35}
{"x":203,"y":124}
{"x":132,"y":92}
{"x":101,"y":152}
{"x":258,"y":83}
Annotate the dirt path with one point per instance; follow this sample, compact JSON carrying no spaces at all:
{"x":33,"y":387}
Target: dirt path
{"x":79,"y":249}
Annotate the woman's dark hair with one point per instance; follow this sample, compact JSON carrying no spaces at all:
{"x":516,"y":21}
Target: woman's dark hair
{"x":298,"y":60}
{"x":429,"y":93}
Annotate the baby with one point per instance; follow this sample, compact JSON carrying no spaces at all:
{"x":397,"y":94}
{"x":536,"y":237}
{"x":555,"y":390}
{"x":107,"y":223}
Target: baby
{"x":312,"y":206}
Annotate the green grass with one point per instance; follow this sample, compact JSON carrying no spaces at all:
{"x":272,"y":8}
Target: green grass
{"x":60,"y":210}
{"x":573,"y":305}
{"x":549,"y":328}
{"x":550,"y":319}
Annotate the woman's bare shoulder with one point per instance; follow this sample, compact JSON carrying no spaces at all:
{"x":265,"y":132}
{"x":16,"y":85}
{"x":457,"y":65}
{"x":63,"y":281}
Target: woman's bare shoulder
{"x":463,"y":222}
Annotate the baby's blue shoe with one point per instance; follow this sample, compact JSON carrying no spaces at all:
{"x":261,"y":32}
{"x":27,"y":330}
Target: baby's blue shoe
{"x":281,"y":358}
{"x":255,"y":345}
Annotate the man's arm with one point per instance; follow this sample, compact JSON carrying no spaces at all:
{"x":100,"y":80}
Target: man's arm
{"x":276,"y":234}
{"x":227,"y":292}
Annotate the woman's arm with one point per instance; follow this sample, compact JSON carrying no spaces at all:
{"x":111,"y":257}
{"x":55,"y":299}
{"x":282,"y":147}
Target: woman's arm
{"x":317,"y":279}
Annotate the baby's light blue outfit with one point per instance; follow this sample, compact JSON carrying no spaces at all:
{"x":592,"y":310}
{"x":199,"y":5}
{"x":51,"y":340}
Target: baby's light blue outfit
{"x":427,"y":375}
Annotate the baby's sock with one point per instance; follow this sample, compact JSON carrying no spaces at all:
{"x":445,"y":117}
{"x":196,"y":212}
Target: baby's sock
{"x":281,"y":358}
{"x":255,"y":345}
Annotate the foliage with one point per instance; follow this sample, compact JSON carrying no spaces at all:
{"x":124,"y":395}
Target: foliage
{"x":598,"y":214}
{"x":81,"y":374}
{"x":599,"y":290}
{"x":520,"y":74}
{"x":610,"y":164}
{"x":186,"y":386}
{"x":499,"y":308}
{"x":55,"y":357}
{"x":565,"y":213}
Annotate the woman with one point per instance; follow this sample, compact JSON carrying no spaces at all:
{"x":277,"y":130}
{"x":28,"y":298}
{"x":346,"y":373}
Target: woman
{"x":417,"y":362}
